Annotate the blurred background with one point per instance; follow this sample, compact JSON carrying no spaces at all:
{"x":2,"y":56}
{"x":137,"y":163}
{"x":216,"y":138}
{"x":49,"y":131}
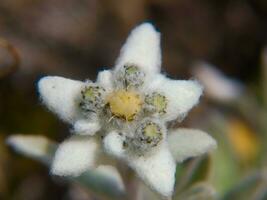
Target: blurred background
{"x":221,"y":43}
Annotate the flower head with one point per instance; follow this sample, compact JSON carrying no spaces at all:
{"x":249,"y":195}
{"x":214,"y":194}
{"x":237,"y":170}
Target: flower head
{"x":127,"y":110}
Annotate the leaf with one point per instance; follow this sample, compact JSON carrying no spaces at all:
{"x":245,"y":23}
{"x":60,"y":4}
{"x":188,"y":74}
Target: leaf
{"x":197,"y":170}
{"x":245,"y":187}
{"x":199,"y":191}
{"x":104,"y":179}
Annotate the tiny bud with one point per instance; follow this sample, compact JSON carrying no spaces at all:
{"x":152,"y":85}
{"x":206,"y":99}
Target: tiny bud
{"x":156,"y":102}
{"x":148,"y":135}
{"x":131,"y":76}
{"x":92,"y":99}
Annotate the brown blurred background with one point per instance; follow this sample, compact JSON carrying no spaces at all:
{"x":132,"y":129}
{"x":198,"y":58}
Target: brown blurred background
{"x":77,"y":38}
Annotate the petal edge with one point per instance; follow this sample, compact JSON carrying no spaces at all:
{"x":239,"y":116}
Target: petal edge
{"x":156,"y":170}
{"x":182,"y":95}
{"x":60,"y":95}
{"x":74,"y":156}
{"x":142,"y":48}
{"x":185,"y":143}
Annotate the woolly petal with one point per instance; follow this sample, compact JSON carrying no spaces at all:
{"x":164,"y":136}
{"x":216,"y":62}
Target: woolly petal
{"x":113,"y":144}
{"x":217,"y":86}
{"x":104,"y":79}
{"x":104,"y":179}
{"x":60,"y":95}
{"x":142,"y":48}
{"x":33,"y":146}
{"x":74,"y":156}
{"x":185,"y":143}
{"x":85,"y":127}
{"x":156,"y":170}
{"x":181,"y":95}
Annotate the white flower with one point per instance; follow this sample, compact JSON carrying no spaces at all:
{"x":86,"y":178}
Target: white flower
{"x":128,"y":108}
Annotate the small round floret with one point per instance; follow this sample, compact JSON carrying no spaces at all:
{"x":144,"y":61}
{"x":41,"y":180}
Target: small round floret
{"x":156,"y":102}
{"x":147,"y":136}
{"x":131,"y":76}
{"x":92,"y":99}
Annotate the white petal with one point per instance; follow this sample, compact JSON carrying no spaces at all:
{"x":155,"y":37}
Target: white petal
{"x":86,"y":127}
{"x":182,"y":95}
{"x":185,"y":143}
{"x":33,"y":146}
{"x":217,"y":85}
{"x":113,"y":144}
{"x":60,"y":95}
{"x":142,"y":48}
{"x":104,"y":79}
{"x":74,"y":156}
{"x":156,"y":170}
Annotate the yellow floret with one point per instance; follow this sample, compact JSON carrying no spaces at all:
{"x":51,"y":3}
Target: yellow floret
{"x":125,"y":104}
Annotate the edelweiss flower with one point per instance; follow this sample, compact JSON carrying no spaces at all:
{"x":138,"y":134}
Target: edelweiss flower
{"x":128,"y":108}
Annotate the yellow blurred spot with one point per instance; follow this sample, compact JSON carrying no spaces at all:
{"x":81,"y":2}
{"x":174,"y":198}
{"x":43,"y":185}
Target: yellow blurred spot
{"x":124,"y":104}
{"x":243,"y":140}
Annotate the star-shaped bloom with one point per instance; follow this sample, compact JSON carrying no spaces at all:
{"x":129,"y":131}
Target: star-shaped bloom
{"x":126,"y":111}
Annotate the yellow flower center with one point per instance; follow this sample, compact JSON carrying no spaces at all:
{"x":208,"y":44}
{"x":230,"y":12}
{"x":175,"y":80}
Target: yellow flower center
{"x":124,"y":104}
